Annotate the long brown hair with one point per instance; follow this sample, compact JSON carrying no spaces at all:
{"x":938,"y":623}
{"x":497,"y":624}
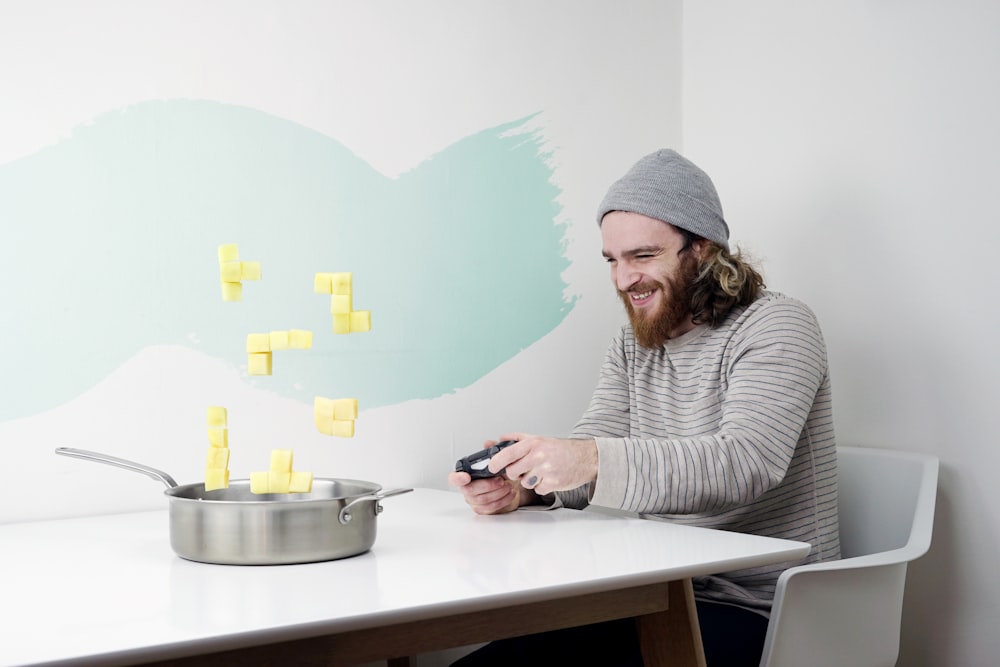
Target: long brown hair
{"x":724,"y":281}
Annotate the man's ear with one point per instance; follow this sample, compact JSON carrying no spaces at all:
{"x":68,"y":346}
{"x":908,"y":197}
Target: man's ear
{"x":702,"y":247}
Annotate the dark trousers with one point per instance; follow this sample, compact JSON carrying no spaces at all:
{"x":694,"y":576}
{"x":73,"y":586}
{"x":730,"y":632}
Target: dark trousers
{"x":733,"y":637}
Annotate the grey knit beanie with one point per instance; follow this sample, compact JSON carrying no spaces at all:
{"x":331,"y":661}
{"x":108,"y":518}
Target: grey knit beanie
{"x":666,"y":186}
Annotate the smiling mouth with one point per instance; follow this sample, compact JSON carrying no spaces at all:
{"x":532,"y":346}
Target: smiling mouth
{"x":640,"y":296}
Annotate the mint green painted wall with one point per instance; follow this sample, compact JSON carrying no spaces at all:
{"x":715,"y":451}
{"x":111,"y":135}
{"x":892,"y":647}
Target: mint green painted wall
{"x":110,"y":241}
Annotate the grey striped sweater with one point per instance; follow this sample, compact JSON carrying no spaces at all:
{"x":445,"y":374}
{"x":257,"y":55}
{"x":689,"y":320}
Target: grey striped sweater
{"x":728,"y":427}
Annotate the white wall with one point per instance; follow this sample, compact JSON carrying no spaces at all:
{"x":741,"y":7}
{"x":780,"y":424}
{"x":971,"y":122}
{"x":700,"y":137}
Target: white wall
{"x":395,"y":82}
{"x":855,"y":147}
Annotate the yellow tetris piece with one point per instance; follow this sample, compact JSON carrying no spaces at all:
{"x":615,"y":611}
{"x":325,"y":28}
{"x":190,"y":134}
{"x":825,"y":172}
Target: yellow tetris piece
{"x":232,"y":291}
{"x":301,"y":482}
{"x":218,"y":436}
{"x":361,"y":321}
{"x":258,"y":342}
{"x":228,"y":253}
{"x":345,"y":408}
{"x":323,"y":283}
{"x":323,"y":407}
{"x":340,"y":304}
{"x":342,"y":324}
{"x":250,"y":270}
{"x":260,"y":482}
{"x":278,"y":482}
{"x":217,"y":416}
{"x":300,"y":339}
{"x":230,"y":272}
{"x":343,"y":428}
{"x":324,"y":424}
{"x":218,"y":458}
{"x":279,"y":340}
{"x":259,"y":363}
{"x":340,"y":283}
{"x":216,"y":479}
{"x":281,"y":460}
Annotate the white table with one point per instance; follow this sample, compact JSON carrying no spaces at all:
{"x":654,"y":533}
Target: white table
{"x":109,"y":590}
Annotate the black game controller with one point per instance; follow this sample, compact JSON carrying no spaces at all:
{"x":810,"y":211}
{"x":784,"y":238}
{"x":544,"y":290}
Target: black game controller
{"x":478,"y":464}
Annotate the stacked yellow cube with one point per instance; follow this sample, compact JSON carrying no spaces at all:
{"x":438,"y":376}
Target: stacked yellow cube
{"x":217,"y":462}
{"x":261,"y":345}
{"x":335,"y":416}
{"x":233,"y":272}
{"x":281,"y":478}
{"x":345,"y":318}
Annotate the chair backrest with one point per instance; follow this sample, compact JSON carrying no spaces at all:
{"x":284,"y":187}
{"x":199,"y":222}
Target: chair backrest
{"x":886,"y":501}
{"x":848,"y":612}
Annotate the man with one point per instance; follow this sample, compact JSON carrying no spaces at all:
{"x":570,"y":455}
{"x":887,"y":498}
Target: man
{"x":713,"y":408}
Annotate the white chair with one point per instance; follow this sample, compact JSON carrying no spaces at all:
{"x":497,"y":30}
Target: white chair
{"x":848,"y":612}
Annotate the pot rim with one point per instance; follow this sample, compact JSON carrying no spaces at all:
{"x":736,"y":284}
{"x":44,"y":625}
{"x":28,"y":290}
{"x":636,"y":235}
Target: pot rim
{"x":173,"y":493}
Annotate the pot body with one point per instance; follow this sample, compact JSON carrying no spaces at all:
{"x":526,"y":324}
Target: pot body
{"x":234,"y":526}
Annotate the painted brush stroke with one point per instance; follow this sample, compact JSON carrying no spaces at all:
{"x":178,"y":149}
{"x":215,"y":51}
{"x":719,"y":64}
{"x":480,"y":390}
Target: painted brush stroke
{"x":110,"y":241}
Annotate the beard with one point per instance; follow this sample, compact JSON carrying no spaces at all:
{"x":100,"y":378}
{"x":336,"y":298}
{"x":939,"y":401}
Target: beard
{"x":653,"y":329}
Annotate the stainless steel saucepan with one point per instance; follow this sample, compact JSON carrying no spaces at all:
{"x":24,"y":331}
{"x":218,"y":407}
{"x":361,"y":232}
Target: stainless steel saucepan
{"x":233,"y":526}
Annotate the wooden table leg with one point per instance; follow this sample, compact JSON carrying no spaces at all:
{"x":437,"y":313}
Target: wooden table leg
{"x":672,"y":637}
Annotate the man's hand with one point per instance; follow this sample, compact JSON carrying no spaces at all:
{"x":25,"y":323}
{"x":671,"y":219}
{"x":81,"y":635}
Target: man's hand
{"x":492,"y":495}
{"x":545,"y":464}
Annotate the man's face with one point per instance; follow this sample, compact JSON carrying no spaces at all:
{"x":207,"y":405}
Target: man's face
{"x":650,"y":273}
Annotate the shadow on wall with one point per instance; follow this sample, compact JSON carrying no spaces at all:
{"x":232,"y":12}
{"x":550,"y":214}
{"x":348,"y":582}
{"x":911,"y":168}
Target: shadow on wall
{"x":114,"y":231}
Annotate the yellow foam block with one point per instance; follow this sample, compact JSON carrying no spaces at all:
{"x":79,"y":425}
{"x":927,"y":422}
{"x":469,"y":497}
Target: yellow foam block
{"x":216,"y":479}
{"x":342,"y":323}
{"x":323,"y":283}
{"x":250,"y":270}
{"x":361,"y":321}
{"x":278,"y":482}
{"x":228,"y":253}
{"x":340,"y":283}
{"x":232,"y":291}
{"x":345,"y":408}
{"x":281,"y":460}
{"x":231,"y":272}
{"x":300,"y":339}
{"x":300,"y":482}
{"x":323,"y":407}
{"x":218,"y":458}
{"x":259,"y":363}
{"x":340,"y":304}
{"x":218,"y":436}
{"x":278,"y":340}
{"x":258,"y":342}
{"x":217,"y":416}
{"x":260,"y":482}
{"x":343,"y":428}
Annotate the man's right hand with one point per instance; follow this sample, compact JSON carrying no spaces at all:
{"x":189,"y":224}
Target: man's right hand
{"x":492,"y":495}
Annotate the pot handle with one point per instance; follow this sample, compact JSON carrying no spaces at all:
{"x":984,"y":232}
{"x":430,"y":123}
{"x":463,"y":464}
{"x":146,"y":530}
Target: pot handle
{"x":88,"y":455}
{"x":345,"y":513}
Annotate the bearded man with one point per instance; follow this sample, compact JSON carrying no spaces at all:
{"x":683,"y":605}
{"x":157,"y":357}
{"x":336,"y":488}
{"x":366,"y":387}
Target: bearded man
{"x":713,"y":409}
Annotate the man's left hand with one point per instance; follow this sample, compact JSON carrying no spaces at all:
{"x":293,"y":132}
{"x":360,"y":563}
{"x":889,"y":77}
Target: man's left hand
{"x":545,"y":464}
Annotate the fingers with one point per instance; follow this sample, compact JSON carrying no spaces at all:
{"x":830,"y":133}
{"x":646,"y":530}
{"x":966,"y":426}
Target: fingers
{"x":509,"y":456}
{"x":459,"y":479}
{"x":489,"y":496}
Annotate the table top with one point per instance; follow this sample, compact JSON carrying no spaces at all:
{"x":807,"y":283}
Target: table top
{"x":109,"y":589}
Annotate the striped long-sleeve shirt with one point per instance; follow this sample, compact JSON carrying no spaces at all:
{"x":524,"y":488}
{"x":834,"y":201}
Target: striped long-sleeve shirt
{"x":728,"y":427}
